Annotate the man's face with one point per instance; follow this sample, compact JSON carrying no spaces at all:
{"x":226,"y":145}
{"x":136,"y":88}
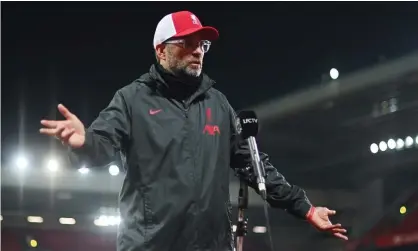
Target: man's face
{"x":185,"y":58}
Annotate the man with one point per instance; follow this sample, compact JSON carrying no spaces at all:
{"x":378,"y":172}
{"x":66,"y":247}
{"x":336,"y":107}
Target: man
{"x":179,"y":138}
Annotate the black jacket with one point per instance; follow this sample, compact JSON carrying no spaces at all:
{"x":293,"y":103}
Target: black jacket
{"x":175,"y":194}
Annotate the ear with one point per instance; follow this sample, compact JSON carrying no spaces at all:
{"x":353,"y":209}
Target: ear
{"x":160,"y":52}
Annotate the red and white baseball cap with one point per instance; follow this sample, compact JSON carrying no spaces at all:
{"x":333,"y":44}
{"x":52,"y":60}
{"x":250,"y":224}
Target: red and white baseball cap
{"x":181,"y":24}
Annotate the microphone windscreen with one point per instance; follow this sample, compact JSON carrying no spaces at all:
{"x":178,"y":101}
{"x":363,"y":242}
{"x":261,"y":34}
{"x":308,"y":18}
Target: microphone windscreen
{"x":249,"y":123}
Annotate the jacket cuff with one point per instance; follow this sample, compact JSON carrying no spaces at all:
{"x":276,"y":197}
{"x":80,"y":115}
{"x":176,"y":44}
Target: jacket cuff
{"x":302,"y":209}
{"x":310,"y":213}
{"x":305,"y":207}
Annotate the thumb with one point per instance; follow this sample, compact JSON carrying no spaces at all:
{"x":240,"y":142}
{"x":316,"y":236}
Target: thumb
{"x":331,"y":212}
{"x":64,"y":111}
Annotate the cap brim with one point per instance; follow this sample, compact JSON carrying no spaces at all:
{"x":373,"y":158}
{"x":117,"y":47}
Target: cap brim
{"x":207,"y":32}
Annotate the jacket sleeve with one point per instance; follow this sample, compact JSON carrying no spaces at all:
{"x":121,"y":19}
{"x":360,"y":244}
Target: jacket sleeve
{"x":280,"y":194}
{"x":107,"y":135}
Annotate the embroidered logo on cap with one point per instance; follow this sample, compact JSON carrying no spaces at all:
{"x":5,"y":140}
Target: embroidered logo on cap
{"x":194,"y":19}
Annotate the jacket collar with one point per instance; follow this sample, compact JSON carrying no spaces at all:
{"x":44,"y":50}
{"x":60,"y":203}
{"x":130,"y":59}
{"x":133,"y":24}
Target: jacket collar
{"x":174,"y":88}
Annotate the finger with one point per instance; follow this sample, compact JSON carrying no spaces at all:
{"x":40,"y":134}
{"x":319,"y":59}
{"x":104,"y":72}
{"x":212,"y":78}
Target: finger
{"x":64,"y":141}
{"x":64,"y":111}
{"x":331,"y":212}
{"x":52,"y":131}
{"x":60,"y":130}
{"x":341,"y":236}
{"x":339,"y":230}
{"x":67,"y":133}
{"x":330,"y":227}
{"x":50,"y":123}
{"x":49,"y":131}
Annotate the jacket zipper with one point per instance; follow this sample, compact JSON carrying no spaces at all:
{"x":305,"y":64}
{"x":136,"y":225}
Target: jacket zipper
{"x":186,"y":110}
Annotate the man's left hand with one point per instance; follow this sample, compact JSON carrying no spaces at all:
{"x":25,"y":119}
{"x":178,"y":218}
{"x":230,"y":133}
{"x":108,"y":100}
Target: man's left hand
{"x":319,"y":218}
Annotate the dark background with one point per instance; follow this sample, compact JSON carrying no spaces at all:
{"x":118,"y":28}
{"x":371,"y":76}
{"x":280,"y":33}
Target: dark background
{"x":79,"y":54}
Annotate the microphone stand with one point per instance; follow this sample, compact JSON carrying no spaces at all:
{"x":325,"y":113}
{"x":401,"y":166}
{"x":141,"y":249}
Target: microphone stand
{"x":241,"y":230}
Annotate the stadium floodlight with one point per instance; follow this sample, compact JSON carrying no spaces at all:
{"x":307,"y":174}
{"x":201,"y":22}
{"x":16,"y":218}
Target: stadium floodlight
{"x":374,"y":148}
{"x":67,"y":221}
{"x":114,"y":170}
{"x":53,"y":165}
{"x":383,"y":146}
{"x":21,"y":162}
{"x":101,"y":221}
{"x":105,"y":221}
{"x":33,"y":243}
{"x":409,"y":141}
{"x":113,"y":220}
{"x":259,"y":229}
{"x":334,"y":73}
{"x":400,"y":144}
{"x":35,"y":219}
{"x":391,"y":144}
{"x":83,"y":170}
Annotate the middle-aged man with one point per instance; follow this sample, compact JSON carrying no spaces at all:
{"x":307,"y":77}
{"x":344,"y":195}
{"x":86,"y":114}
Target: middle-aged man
{"x":179,"y":137}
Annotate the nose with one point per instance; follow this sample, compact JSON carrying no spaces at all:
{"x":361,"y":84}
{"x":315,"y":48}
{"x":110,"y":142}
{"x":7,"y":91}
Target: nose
{"x":198,"y":51}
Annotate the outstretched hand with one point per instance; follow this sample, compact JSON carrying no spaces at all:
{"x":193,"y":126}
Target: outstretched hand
{"x":70,"y":131}
{"x":319,"y":218}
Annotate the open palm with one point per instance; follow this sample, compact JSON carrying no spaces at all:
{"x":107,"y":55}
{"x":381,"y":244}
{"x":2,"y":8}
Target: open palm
{"x":70,"y":131}
{"x":320,"y":220}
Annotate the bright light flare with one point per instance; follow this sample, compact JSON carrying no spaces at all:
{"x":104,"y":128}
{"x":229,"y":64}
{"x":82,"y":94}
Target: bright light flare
{"x":53,"y":165}
{"x":33,"y":243}
{"x":21,"y":162}
{"x":35,"y":219}
{"x":391,"y":144}
{"x":67,"y":221}
{"x":400,"y":144}
{"x":84,"y":170}
{"x":114,"y":170}
{"x":105,"y":221}
{"x":409,"y":141}
{"x":334,"y":73}
{"x":383,"y":146}
{"x":374,"y":148}
{"x":259,"y":229}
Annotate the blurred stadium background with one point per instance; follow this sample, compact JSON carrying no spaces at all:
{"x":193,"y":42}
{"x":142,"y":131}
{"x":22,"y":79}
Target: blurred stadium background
{"x":352,"y":142}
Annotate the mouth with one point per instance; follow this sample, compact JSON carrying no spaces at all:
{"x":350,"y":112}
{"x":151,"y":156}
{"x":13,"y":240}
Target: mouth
{"x":195,"y":63}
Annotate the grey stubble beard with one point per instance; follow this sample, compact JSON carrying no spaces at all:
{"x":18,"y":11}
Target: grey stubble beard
{"x":181,"y":68}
